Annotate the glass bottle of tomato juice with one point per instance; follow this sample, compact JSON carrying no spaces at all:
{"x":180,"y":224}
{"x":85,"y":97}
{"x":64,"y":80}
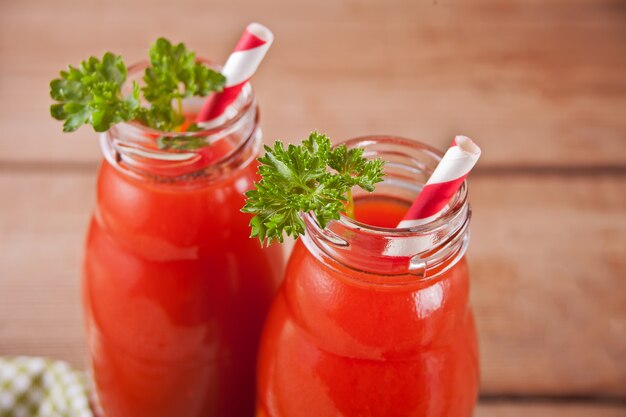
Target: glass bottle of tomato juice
{"x":174,"y":290}
{"x":373,"y":321}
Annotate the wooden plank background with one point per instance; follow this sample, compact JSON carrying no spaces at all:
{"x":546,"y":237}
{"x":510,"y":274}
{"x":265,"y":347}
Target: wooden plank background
{"x":541,"y":84}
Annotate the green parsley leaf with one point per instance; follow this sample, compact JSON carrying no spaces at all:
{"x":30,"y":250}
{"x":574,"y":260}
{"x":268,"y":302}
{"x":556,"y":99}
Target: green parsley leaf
{"x":354,"y":168}
{"x":173,"y":75}
{"x":181,"y":143}
{"x":300,"y":179}
{"x":91,"y":94}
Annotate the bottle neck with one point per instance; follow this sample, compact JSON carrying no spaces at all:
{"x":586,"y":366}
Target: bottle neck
{"x":390,"y":256}
{"x":204,"y":155}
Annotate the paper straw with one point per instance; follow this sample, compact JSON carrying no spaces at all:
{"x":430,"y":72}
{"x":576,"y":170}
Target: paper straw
{"x":443,"y":183}
{"x":239,"y":68}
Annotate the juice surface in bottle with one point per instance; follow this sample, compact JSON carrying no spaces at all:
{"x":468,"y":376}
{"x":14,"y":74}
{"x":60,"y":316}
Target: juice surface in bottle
{"x":380,"y":211}
{"x":174,"y":291}
{"x":360,"y":328}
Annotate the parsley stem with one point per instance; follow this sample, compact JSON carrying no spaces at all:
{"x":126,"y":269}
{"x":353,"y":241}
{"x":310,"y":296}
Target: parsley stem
{"x":350,"y":205}
{"x":179,"y":100}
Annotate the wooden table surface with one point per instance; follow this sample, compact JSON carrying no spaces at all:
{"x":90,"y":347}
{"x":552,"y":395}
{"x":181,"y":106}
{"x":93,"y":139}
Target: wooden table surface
{"x":540,"y":84}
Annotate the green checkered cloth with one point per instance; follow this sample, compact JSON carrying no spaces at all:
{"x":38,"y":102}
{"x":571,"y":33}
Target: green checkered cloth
{"x":36,"y":387}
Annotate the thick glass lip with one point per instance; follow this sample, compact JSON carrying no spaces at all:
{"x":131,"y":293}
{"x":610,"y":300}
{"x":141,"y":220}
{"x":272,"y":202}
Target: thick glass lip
{"x":135,"y":73}
{"x":451,"y":211}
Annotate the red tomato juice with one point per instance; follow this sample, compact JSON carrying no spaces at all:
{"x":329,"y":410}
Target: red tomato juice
{"x":337,"y":345}
{"x":175,"y":293}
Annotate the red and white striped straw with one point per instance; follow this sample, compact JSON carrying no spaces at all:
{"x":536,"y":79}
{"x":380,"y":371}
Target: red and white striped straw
{"x":239,"y":68}
{"x":443,"y":183}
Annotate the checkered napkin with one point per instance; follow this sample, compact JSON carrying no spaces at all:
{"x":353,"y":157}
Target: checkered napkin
{"x":36,"y":387}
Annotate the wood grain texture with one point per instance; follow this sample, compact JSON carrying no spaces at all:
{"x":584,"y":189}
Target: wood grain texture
{"x":549,"y":410}
{"x":547,"y":264}
{"x":534,"y":82}
{"x":42,"y":223}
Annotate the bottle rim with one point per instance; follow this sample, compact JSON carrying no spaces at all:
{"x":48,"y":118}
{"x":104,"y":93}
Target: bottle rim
{"x":133,"y":148}
{"x":425,"y":251}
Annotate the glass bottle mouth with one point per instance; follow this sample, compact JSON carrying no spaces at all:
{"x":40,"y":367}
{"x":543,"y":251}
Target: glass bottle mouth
{"x":225,"y":143}
{"x":222,"y":145}
{"x":425,"y":251}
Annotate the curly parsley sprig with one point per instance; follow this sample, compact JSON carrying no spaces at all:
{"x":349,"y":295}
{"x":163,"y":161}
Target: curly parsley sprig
{"x":310,"y":177}
{"x":174,"y":74}
{"x":92,"y":92}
